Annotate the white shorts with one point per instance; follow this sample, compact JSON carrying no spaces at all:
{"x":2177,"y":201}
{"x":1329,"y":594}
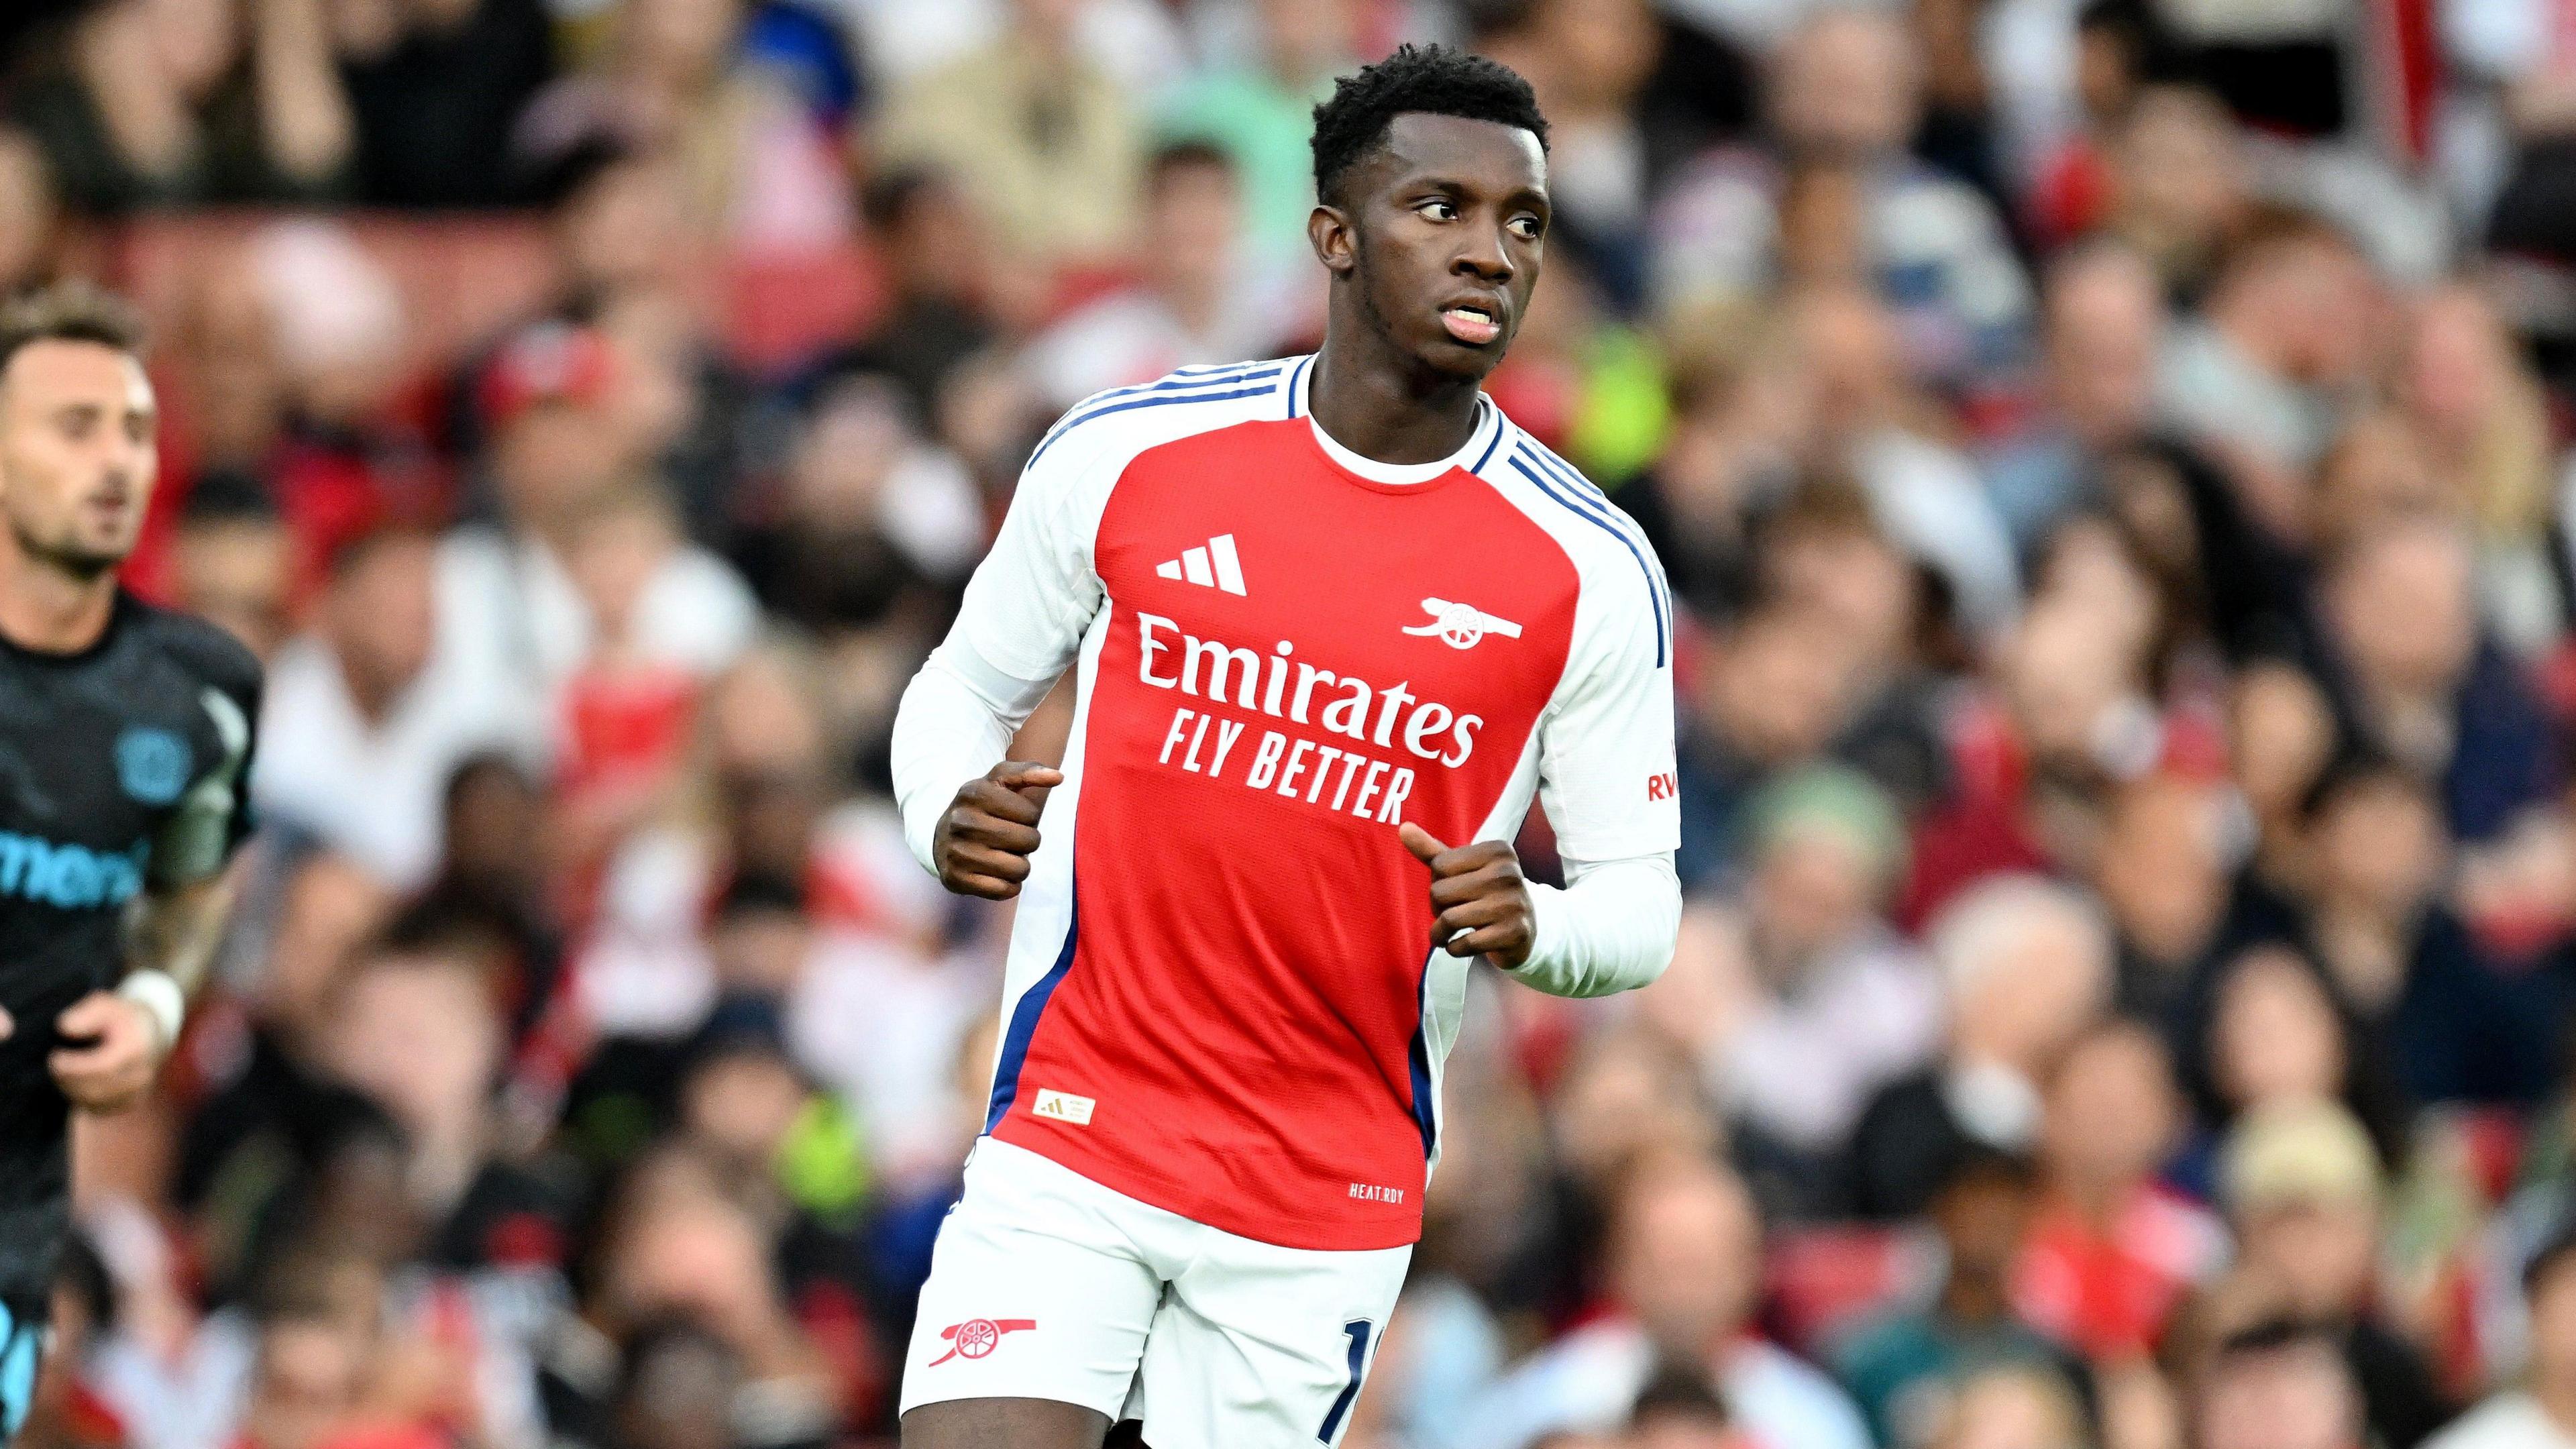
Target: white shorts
{"x":1046,"y":1285}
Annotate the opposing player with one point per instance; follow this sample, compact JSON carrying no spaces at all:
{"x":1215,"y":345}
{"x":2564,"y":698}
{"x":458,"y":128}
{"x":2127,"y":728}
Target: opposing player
{"x":1334,"y":621}
{"x":124,"y":734}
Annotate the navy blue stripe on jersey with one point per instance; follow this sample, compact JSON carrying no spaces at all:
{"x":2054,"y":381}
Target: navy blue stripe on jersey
{"x":1654,"y":596}
{"x":1425,"y":1109}
{"x":1164,"y":400}
{"x":1207,"y":377}
{"x":1296,"y":400}
{"x":1024,"y":1018}
{"x":1572,"y":476}
{"x":1502,"y":430}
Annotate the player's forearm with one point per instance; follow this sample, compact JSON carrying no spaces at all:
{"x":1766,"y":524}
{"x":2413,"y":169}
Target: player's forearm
{"x":1611,"y":928}
{"x":955,"y":722}
{"x":177,"y":931}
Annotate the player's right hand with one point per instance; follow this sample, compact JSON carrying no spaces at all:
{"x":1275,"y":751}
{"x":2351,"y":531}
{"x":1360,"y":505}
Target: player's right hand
{"x":983,"y":844}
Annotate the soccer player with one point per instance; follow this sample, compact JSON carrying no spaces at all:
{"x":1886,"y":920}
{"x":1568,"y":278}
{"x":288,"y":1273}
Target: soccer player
{"x":1334,"y":621}
{"x":124,"y":734}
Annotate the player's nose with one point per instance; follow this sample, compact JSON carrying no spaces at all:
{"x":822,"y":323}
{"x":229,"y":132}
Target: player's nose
{"x":1484,"y":256}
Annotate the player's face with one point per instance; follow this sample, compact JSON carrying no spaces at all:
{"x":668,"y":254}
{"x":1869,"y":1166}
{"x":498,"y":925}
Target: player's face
{"x":77,"y":460}
{"x":1443,"y":237}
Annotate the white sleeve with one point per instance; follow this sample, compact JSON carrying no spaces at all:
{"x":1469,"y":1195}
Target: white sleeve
{"x":1605,"y":762}
{"x":1606,"y":779}
{"x":1020,"y":625}
{"x":1611,"y":929}
{"x":955,"y":722}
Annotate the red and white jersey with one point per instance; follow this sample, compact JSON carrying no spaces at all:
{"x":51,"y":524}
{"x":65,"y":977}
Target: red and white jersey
{"x":1221,"y":998}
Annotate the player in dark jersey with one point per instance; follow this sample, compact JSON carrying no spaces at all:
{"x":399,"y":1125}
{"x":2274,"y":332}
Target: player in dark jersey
{"x":125,"y":736}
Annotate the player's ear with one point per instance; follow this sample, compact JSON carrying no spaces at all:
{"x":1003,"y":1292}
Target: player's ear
{"x":1335,"y":240}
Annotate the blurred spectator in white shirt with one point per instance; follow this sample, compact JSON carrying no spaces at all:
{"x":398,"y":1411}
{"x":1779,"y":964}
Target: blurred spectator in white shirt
{"x":1196,"y":301}
{"x":1685,"y":1274}
{"x":509,"y":606}
{"x":360,"y":728}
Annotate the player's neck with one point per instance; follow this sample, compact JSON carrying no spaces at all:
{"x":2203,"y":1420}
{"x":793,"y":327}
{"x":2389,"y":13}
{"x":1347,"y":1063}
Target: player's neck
{"x":48,"y":609}
{"x":1382,"y":406}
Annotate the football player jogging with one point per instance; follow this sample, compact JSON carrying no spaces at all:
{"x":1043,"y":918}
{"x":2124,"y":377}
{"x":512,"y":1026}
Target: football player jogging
{"x":124,"y":735}
{"x":1334,"y":621}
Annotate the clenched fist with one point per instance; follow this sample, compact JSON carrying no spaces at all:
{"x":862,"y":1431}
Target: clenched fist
{"x":1479,"y":902}
{"x":983,"y":844}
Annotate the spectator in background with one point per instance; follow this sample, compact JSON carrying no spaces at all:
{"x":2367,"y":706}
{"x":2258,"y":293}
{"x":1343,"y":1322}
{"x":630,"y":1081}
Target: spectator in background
{"x":30,"y":220}
{"x":2264,"y":378}
{"x":371,"y":730}
{"x":1590,"y":61}
{"x":309,"y":1380}
{"x":1045,"y":141}
{"x":2482,"y":419}
{"x":2278,"y":1385}
{"x":1770,"y":700}
{"x":1844,"y":98}
{"x":679,"y":1249}
{"x":2304,"y":1192}
{"x":2163,"y":875}
{"x":1680,"y":1410}
{"x":2114,"y":1251}
{"x":508,"y":602}
{"x":346,"y":457}
{"x":1196,"y":302}
{"x":1913,"y":1370}
{"x":934,"y":256}
{"x":2028,"y":966}
{"x":415,"y":1024}
{"x":1259,"y":110}
{"x":2542,"y":1413}
{"x":233,"y":561}
{"x":1870,"y":422}
{"x":167,"y":102}
{"x":2103,"y":326}
{"x":617,"y":222}
{"x":2180,"y":184}
{"x":753,"y":169}
{"x":2426,"y":685}
{"x":1684,"y":1273}
{"x":1839,"y":1006}
{"x":2277,"y":1033}
{"x":434,"y":86}
{"x":872,"y":525}
{"x":2448,"y":1021}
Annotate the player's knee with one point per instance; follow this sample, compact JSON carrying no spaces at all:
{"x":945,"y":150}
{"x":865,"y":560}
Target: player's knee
{"x":1005,"y":1424}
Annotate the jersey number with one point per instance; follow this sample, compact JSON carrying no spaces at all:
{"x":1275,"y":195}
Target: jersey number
{"x":1357,"y":1331}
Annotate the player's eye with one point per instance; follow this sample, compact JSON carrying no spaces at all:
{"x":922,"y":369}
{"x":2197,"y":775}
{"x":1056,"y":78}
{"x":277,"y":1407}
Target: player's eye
{"x":1526,"y":227}
{"x":78,"y":423}
{"x":1439,"y":208}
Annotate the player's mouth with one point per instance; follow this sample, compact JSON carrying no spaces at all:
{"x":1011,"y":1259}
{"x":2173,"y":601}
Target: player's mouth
{"x":1473,"y":323}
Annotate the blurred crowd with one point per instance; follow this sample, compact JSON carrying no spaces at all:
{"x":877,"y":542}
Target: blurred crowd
{"x":2111,"y":455}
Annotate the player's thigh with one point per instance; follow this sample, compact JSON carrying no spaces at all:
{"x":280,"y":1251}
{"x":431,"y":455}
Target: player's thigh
{"x":1262,"y":1347}
{"x":1004,"y":1424}
{"x":1037,"y":1290}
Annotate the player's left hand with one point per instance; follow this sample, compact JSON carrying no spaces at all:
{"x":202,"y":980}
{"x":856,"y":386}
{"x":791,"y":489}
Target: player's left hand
{"x":119,"y":1050}
{"x":1483,"y":904}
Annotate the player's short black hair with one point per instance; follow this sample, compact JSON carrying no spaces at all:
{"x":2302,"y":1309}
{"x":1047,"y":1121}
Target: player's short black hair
{"x":1432,"y":79}
{"x":73,"y":311}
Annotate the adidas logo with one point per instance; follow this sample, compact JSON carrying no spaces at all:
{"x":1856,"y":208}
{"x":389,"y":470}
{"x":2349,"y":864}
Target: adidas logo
{"x":1212,"y":567}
